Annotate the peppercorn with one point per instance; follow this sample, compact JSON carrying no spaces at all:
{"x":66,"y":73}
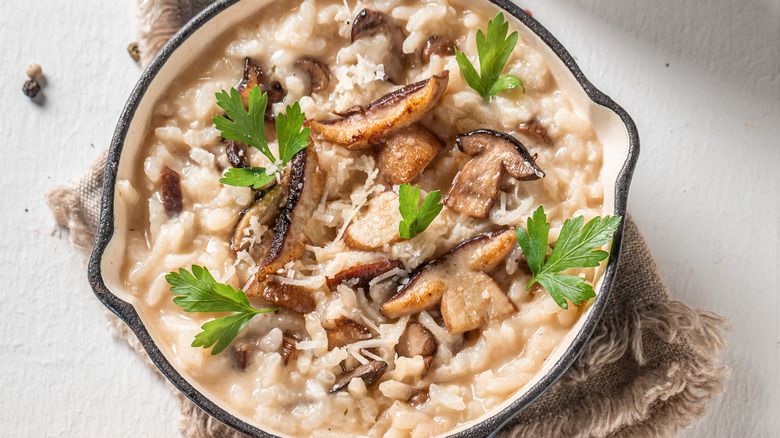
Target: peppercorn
{"x":34,"y":71}
{"x":134,"y":51}
{"x":31,"y":88}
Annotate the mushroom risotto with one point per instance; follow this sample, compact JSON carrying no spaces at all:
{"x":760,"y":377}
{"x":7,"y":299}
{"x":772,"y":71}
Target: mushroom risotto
{"x":374,"y":334}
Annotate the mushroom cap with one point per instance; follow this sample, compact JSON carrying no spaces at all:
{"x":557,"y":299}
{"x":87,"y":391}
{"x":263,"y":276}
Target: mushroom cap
{"x":476,"y":186}
{"x":364,"y":126}
{"x":459,"y":281}
{"x":370,"y":22}
{"x":370,"y":372}
{"x":534,"y":128}
{"x":318,"y":72}
{"x":255,"y":75}
{"x":437,"y":45}
{"x":514,"y":156}
{"x":416,"y":340}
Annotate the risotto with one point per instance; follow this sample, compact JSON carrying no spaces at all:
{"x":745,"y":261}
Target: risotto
{"x":376,"y":335}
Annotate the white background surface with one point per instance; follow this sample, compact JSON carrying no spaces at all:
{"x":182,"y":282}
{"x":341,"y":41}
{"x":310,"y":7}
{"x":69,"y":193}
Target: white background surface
{"x":701,"y":80}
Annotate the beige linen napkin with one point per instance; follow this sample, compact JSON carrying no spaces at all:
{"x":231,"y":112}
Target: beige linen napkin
{"x":650,"y":368}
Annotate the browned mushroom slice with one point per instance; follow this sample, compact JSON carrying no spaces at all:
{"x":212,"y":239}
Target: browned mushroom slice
{"x":370,"y":22}
{"x":170,"y":191}
{"x":239,"y":355}
{"x":236,"y":153}
{"x":406,"y":152}
{"x":304,"y":192}
{"x":364,"y":126}
{"x":289,"y":349}
{"x":437,"y":45}
{"x":345,"y":332}
{"x":317,"y":71}
{"x":369,"y":372}
{"x":378,"y":226}
{"x":363,"y":274}
{"x":254,"y":75}
{"x":535,"y":128}
{"x":262,"y":212}
{"x":476,"y":186}
{"x":417,"y":341}
{"x":289,"y":296}
{"x":458,"y":280}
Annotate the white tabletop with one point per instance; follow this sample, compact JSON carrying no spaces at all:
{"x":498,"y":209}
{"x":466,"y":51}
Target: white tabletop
{"x":701,"y":80}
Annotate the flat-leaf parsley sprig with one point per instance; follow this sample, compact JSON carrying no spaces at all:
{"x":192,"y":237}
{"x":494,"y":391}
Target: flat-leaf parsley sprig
{"x":247,"y":125}
{"x":199,"y":292}
{"x":494,"y":50}
{"x":416,"y":216}
{"x":577,"y":247}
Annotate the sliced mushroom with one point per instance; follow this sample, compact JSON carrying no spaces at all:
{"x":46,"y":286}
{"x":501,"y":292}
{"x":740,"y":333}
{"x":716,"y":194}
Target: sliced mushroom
{"x":236,"y":153}
{"x":255,"y":75}
{"x":369,"y":23}
{"x":317,"y":71}
{"x":362,"y":127}
{"x":239,"y":355}
{"x":370,"y":372}
{"x":459,"y":280}
{"x":437,"y":45}
{"x":407,"y":152}
{"x":417,"y":341}
{"x":345,"y":332}
{"x":476,"y":186}
{"x":289,"y":349}
{"x":170,"y":191}
{"x":289,"y":296}
{"x":262,"y":212}
{"x":535,"y":128}
{"x":378,"y":226}
{"x":305,"y":190}
{"x":363,"y":274}
{"x":419,"y":397}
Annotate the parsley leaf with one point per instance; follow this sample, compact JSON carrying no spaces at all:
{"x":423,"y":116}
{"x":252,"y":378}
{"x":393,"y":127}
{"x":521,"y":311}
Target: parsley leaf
{"x":247,"y":125}
{"x":292,"y":139}
{"x":577,"y":247}
{"x":416,"y":216}
{"x":247,"y":176}
{"x":241,"y":124}
{"x":494,"y":50}
{"x":199,"y":292}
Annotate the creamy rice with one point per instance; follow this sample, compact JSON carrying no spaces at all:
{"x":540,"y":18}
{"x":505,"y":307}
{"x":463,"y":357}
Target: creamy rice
{"x":469,"y":374}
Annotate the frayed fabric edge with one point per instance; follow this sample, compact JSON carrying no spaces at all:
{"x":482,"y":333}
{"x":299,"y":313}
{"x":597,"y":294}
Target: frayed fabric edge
{"x":644,"y":408}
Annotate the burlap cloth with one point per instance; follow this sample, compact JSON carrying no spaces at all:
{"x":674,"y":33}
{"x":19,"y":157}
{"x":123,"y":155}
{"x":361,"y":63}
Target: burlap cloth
{"x":650,"y":369}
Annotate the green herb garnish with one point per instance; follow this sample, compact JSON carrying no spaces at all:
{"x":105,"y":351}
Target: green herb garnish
{"x":199,"y":292}
{"x":494,"y":51}
{"x":576,"y":248}
{"x":416,"y":216}
{"x":247,"y":125}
